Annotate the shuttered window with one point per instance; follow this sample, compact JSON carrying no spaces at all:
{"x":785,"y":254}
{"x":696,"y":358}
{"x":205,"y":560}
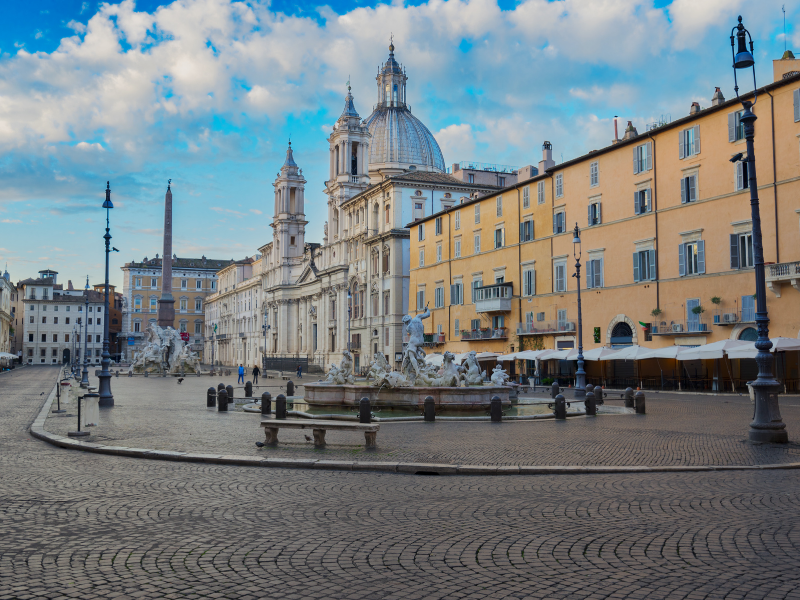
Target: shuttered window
{"x":736,"y":127}
{"x":529,"y":282}
{"x":689,"y":142}
{"x":422,"y":258}
{"x":456,"y":327}
{"x":741,"y":250}
{"x":742,"y":179}
{"x":642,"y":202}
{"x":476,"y":241}
{"x":595,"y":215}
{"x":499,"y":238}
{"x":420,"y":299}
{"x":559,"y":185}
{"x":438,"y":253}
{"x":559,"y":222}
{"x":594,"y":174}
{"x":458,"y":219}
{"x":692,"y":258}
{"x":561,"y":277}
{"x":526,"y":231}
{"x":689,"y":189}
{"x":526,"y":196}
{"x":796,"y":98}
{"x":457,"y":248}
{"x":499,"y":205}
{"x":594,"y":273}
{"x":540,"y":192}
{"x":642,"y":157}
{"x":457,"y":293}
{"x":477,"y":213}
{"x":438,"y":225}
{"x":644,"y":265}
{"x":420,"y":232}
{"x":438,"y":297}
{"x":476,"y":283}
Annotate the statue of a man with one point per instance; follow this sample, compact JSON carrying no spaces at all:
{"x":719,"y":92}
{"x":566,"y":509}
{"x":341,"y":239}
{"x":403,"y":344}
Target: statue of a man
{"x":414,"y":354}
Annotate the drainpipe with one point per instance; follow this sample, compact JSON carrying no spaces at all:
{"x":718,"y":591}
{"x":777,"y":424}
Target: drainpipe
{"x":655,"y":214}
{"x":774,"y":177}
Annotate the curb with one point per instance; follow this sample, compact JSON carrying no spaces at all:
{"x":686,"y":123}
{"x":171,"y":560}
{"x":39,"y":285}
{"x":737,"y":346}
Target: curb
{"x":37,"y":430}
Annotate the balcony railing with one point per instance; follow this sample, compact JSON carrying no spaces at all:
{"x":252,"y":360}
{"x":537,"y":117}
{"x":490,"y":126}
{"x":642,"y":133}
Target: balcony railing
{"x":777,"y":274}
{"x":493,"y":298}
{"x":681,"y":327}
{"x":546,"y":328}
{"x":499,"y":333}
{"x":432,"y":339}
{"x":727,"y":316}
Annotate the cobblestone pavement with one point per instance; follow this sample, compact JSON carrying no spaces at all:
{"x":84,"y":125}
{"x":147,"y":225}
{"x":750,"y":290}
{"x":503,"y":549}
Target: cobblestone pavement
{"x":158,"y":413}
{"x":81,"y":525}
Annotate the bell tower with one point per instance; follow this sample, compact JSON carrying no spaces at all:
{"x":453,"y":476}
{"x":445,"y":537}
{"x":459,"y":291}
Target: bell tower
{"x":289,"y":220}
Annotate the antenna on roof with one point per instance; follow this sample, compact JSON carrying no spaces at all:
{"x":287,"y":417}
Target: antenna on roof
{"x":783,"y":8}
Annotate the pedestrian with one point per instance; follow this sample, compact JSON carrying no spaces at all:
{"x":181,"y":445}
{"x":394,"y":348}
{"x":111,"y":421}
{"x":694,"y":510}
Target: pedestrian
{"x":256,"y":373}
{"x":241,"y":374}
{"x":299,"y":371}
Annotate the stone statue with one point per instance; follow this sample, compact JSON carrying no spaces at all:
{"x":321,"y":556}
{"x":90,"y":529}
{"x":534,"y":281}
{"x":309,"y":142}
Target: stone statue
{"x":414,"y":355}
{"x":449,"y":377}
{"x":471,"y":373}
{"x":325,"y":229}
{"x":343,"y":373}
{"x":499,"y":376}
{"x":378,"y":368}
{"x":165,"y":352}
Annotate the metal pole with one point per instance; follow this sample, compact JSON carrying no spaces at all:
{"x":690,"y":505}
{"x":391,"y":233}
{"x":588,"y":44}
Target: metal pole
{"x":85,"y":373}
{"x":767,"y":425}
{"x":580,"y":374}
{"x":106,"y":398}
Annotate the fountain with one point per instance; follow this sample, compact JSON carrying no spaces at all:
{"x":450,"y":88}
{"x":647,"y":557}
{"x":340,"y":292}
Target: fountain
{"x":452,"y":386}
{"x":165,"y":352}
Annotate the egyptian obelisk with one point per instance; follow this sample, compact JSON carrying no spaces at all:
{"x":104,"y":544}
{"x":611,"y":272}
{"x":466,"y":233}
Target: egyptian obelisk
{"x":166,"y":304}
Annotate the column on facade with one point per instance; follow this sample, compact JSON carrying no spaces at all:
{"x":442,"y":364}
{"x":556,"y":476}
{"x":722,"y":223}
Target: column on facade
{"x":360,"y":158}
{"x":345,"y":318}
{"x":283,"y":327}
{"x":333,"y":166}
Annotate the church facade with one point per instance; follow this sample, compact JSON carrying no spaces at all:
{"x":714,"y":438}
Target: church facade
{"x":351,"y":291}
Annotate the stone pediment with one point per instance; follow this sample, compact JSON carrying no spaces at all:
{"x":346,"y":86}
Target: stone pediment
{"x":307,"y":275}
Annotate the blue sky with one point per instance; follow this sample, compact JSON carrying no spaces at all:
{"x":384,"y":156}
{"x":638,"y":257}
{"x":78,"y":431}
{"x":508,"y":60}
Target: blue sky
{"x":207,"y":92}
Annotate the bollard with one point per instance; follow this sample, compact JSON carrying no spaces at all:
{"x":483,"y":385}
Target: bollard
{"x":266,"y":403}
{"x":130,"y":373}
{"x":364,"y":410}
{"x":146,"y":374}
{"x":429,"y":409}
{"x":590,"y":404}
{"x":117,"y":374}
{"x":290,"y":388}
{"x":628,"y":397}
{"x":248,"y":389}
{"x":589,"y":388}
{"x":229,"y":389}
{"x":599,"y":394}
{"x":197,"y":373}
{"x":560,"y":408}
{"x":221,"y":386}
{"x":496,"y":410}
{"x":222,"y":401}
{"x":640,"y":409}
{"x":211,"y":397}
{"x":554,"y":390}
{"x":280,"y":407}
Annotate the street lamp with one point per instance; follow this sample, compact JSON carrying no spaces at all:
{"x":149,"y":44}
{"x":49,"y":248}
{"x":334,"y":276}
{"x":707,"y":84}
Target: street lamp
{"x":265,"y":327}
{"x":349,"y":315}
{"x":85,"y":373}
{"x":580,"y":374}
{"x":767,"y":425}
{"x":106,"y":398}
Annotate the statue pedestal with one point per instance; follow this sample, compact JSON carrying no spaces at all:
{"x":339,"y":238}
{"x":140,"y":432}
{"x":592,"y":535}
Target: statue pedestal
{"x":460,"y":398}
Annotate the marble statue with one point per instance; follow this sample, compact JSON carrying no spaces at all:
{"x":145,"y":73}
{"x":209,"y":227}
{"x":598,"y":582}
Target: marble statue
{"x":343,"y":373}
{"x":499,"y":376}
{"x":414,"y":355}
{"x":165,"y":352}
{"x":471,"y":372}
{"x":449,"y":377}
{"x":378,"y":368}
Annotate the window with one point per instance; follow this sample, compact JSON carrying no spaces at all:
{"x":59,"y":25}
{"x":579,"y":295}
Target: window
{"x":643,"y":158}
{"x":44,"y":320}
{"x":154,"y":283}
{"x":30,"y":319}
{"x":99,"y":309}
{"x":457,"y":293}
{"x":55,"y":308}
{"x":438,"y":225}
{"x":502,"y":181}
{"x":499,"y":206}
{"x":55,"y":320}
{"x":457,"y":248}
{"x":689,"y":142}
{"x":562,"y":319}
{"x":644,"y":265}
{"x":561,"y":277}
{"x":456,"y":327}
{"x":438,"y":297}
{"x":559,"y":222}
{"x":748,"y":309}
{"x":526,"y":231}
{"x":529,"y":282}
{"x":475,"y":324}
{"x":796,"y":99}
{"x":30,"y":337}
{"x":594,"y":176}
{"x":44,"y":338}
{"x":198,"y":284}
{"x":438,"y":253}
{"x":137,"y":305}
{"x":477,"y":243}
{"x":594,"y":273}
{"x":559,"y":185}
{"x":477,"y":213}
{"x":540,"y":192}
{"x":213,"y":285}
{"x":420,"y":232}
{"x":526,"y":196}
{"x":138,"y":282}
{"x":742,"y":178}
{"x":388,"y":212}
{"x":67,"y":319}
{"x":197,"y":329}
{"x":153,"y":304}
{"x":735,"y":126}
{"x":91,"y":308}
{"x":641,"y":202}
{"x":471,"y":178}
{"x":499,"y":238}
{"x":422,"y":257}
{"x":68,"y":309}
{"x":420,"y":299}
{"x":137,"y":326}
{"x":458,"y":219}
{"x":183,"y":326}
{"x":692,"y":258}
{"x":476,"y":283}
{"x":689,"y":189}
{"x":97,"y":339}
{"x":595,"y":215}
{"x":741,"y":250}
{"x":66,"y":338}
{"x":99,"y":321}
{"x":198,"y":305}
{"x":55,"y":338}
{"x":386,"y":304}
{"x":184,"y":305}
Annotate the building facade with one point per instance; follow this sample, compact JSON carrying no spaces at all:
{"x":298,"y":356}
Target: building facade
{"x":7,"y":313}
{"x":673,"y":267}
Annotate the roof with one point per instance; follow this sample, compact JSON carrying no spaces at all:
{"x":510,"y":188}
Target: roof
{"x":209,"y":264}
{"x":40,"y":281}
{"x":440,"y":178}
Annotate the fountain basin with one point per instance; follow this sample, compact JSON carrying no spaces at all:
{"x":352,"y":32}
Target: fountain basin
{"x":461,"y":398}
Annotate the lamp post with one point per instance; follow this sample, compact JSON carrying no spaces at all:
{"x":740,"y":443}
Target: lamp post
{"x":580,"y":374}
{"x":349,"y":316}
{"x":106,"y":398}
{"x":85,"y":373}
{"x":767,"y":425}
{"x":265,"y":328}
{"x":76,"y":362}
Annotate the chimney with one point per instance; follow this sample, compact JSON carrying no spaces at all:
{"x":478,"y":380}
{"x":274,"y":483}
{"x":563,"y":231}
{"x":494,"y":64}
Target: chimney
{"x":695,"y":108}
{"x":630,"y":132}
{"x":717,"y":98}
{"x":787,"y":66}
{"x":69,"y":285}
{"x":616,"y":135}
{"x":547,"y":161}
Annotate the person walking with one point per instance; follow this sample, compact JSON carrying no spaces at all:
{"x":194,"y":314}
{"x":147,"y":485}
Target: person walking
{"x":241,"y":374}
{"x":256,"y":373}
{"x":299,"y":371}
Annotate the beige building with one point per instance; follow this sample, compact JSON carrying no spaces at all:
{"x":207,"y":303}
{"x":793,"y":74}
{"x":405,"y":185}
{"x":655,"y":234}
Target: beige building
{"x":7,"y":313}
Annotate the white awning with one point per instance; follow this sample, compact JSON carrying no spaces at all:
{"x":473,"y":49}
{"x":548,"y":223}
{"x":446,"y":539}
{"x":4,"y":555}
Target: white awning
{"x":779,"y":344}
{"x":601,"y":353}
{"x":668,"y":352}
{"x":711,"y":351}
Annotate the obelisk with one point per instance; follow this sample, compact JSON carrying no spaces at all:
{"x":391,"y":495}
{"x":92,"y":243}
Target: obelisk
{"x":166,"y":304}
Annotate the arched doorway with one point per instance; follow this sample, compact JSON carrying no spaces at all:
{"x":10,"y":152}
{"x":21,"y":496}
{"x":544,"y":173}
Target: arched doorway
{"x":65,"y":356}
{"x":621,"y":335}
{"x":749,"y":334}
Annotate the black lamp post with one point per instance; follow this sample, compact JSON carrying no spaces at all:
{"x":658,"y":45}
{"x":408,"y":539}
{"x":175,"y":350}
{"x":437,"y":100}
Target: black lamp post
{"x":580,"y":374}
{"x":265,"y":327}
{"x":106,"y":398}
{"x":767,"y":425}
{"x":85,"y":373}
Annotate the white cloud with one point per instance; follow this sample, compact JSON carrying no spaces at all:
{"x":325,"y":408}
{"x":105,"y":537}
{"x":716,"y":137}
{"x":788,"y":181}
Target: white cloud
{"x":87,"y":147}
{"x":10,"y":221}
{"x":456,"y":141}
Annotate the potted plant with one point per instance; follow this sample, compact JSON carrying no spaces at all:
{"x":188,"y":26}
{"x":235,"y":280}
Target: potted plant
{"x":698,"y":310}
{"x":655,"y":312}
{"x":716,"y":301}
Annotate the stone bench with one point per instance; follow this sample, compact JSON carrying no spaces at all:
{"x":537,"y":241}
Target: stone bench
{"x":319,"y":427}
{"x":285,"y":377}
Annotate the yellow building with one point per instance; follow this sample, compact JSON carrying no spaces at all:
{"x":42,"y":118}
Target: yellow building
{"x":498,"y":272}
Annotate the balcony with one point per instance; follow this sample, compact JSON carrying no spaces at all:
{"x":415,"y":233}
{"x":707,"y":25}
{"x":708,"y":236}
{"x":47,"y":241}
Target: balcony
{"x":777,"y":274}
{"x":493,"y":298}
{"x":697,"y":326}
{"x":433,"y":339}
{"x":546,"y":328}
{"x":500,"y":333}
{"x":727,"y":316}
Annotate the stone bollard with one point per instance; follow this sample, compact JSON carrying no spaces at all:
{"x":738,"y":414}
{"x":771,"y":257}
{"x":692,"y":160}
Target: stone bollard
{"x":589,"y":388}
{"x":266,"y":403}
{"x":289,"y":388}
{"x":364,"y":411}
{"x":628,"y":397}
{"x":116,"y":374}
{"x":211,"y":397}
{"x":496,"y":409}
{"x":429,"y":409}
{"x":229,"y":389}
{"x":554,"y":390}
{"x":248,"y":389}
{"x":560,"y":408}
{"x":591,"y":404}
{"x":130,"y":373}
{"x":640,"y":408}
{"x":222,"y":401}
{"x":599,"y":394}
{"x":220,"y":386}
{"x":197,"y":373}
{"x":280,"y":407}
{"x":146,"y":374}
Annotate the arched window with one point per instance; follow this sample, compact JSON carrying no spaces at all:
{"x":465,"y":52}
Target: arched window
{"x":386,"y":97}
{"x":621,"y":335}
{"x":749,"y":335}
{"x":394,"y":95}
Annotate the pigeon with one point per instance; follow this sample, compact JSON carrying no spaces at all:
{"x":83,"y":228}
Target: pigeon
{"x":179,"y":380}
{"x":308,"y":438}
{"x":260,"y":444}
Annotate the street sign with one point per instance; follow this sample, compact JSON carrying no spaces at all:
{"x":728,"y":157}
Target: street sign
{"x":185,"y":336}
{"x":131,"y":340}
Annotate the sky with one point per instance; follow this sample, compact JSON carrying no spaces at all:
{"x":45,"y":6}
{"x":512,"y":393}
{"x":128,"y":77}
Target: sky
{"x":207,"y":93}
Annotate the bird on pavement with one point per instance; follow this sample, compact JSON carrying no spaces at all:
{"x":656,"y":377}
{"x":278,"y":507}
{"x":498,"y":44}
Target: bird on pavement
{"x":179,"y":380}
{"x":308,"y":438}
{"x":260,"y":444}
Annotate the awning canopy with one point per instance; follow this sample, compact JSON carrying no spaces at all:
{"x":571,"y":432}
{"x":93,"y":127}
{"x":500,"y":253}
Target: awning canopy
{"x":630,"y":353}
{"x":668,"y":352}
{"x":779,"y":344}
{"x":601,"y":353}
{"x":711,"y":351}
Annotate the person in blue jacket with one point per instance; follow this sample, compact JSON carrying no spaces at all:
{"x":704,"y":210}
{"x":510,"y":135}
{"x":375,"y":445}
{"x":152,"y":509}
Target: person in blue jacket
{"x":241,"y":374}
